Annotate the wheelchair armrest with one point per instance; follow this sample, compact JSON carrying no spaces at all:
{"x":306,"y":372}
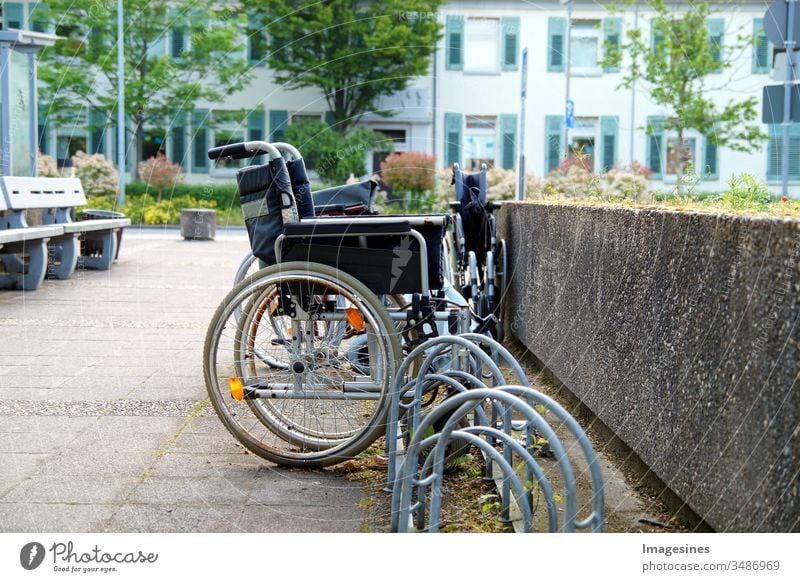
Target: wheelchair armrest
{"x":346,"y":226}
{"x":323,"y":208}
{"x":455,"y":206}
{"x":492,"y":205}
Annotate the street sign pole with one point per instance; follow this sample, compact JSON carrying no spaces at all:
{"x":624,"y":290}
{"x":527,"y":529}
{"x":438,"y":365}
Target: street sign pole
{"x":787,"y":93}
{"x":523,"y":96}
{"x":568,"y":73}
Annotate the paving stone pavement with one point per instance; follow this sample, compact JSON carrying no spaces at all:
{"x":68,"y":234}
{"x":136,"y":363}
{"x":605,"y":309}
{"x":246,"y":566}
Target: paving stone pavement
{"x":104,"y":421}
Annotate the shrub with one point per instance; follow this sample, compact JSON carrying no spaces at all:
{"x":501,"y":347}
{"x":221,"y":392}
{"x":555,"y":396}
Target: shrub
{"x":225,"y":195}
{"x":46,"y":166}
{"x":334,"y":156}
{"x":409,"y":172}
{"x":575,"y":182}
{"x":160,"y":173}
{"x":745,"y":192}
{"x":624,"y":184}
{"x":98,"y":175}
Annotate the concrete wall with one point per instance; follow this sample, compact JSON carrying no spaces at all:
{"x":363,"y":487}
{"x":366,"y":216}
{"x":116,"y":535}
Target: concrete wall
{"x":680,"y":332}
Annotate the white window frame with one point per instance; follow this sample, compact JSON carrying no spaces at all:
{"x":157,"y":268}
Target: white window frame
{"x":589,"y":28}
{"x":494,"y":69}
{"x":688,"y":134}
{"x":481,"y":132}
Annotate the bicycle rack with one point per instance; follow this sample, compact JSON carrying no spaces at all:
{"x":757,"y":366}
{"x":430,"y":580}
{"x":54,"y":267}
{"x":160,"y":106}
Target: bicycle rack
{"x":485,"y":411}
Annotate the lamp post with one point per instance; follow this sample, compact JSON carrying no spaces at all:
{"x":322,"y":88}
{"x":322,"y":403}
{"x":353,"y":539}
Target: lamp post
{"x":120,"y":108}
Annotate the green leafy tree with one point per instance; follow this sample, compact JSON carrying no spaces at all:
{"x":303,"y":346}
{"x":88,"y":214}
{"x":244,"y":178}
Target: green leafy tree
{"x":205,"y":60}
{"x":675,"y":69}
{"x":354,"y":51}
{"x":334,"y":156}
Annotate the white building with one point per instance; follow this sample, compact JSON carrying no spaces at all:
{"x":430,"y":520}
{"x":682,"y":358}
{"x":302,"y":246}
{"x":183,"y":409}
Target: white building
{"x":466,"y":109}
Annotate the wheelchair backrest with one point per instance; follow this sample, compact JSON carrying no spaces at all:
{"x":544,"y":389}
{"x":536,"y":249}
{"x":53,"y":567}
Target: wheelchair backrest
{"x":470,"y":186}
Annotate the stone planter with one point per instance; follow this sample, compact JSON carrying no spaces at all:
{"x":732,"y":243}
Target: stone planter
{"x":198,"y":223}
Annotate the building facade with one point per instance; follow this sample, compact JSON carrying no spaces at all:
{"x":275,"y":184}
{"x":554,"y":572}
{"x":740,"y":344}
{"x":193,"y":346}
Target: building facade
{"x":467,"y":108}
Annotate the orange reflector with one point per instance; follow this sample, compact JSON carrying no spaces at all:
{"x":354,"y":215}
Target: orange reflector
{"x":355,"y":319}
{"x":236,"y":388}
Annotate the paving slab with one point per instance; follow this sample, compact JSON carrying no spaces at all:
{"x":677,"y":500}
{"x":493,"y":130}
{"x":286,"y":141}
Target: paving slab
{"x":104,"y":419}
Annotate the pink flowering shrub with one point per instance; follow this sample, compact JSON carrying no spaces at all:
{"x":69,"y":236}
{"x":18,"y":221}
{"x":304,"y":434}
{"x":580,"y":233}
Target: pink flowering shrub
{"x":46,"y":166}
{"x":160,"y":173}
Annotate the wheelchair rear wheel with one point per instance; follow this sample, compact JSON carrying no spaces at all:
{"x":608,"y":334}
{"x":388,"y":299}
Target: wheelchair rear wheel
{"x":317,"y":408}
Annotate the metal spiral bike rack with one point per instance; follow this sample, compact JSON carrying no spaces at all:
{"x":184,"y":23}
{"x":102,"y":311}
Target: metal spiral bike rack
{"x":485,"y":410}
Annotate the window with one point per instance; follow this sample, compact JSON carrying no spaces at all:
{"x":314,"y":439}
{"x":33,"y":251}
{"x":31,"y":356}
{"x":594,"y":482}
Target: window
{"x":482,"y":46}
{"x":223,"y":137}
{"x":300,"y":117}
{"x":583,"y":139}
{"x":762,"y":48}
{"x":153,"y":142}
{"x":689,"y":152}
{"x":586,"y":44}
{"x":480,"y":137}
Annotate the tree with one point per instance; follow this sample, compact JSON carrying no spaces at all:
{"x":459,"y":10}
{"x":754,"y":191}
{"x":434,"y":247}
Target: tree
{"x":675,"y":68}
{"x":334,"y":156}
{"x":81,"y":69}
{"x":353,"y":51}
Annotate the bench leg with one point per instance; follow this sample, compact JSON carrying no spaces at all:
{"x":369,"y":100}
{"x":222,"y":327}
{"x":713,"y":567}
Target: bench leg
{"x":64,"y":258}
{"x":106,"y":244}
{"x":25,"y":276}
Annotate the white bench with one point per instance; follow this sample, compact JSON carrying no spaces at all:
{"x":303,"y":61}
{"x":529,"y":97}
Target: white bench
{"x":57,"y":197}
{"x":23,"y":252}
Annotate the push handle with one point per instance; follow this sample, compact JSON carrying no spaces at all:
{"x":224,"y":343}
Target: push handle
{"x":288,"y":148}
{"x":244,"y":149}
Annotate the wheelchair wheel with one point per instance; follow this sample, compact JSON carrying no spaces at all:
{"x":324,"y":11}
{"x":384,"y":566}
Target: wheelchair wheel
{"x":320,"y":409}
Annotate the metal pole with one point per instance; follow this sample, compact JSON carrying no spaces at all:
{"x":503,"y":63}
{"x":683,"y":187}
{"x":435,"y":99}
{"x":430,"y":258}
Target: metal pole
{"x":120,"y":107}
{"x":568,"y":70}
{"x":523,"y":96}
{"x":787,"y":93}
{"x":633,"y":91}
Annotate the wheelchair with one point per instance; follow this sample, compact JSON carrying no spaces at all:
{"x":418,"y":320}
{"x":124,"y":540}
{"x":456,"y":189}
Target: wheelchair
{"x":479,"y":258}
{"x":300,"y":355}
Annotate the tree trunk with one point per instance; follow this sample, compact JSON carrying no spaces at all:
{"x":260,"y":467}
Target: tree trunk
{"x":138,"y":140}
{"x":681,"y":162}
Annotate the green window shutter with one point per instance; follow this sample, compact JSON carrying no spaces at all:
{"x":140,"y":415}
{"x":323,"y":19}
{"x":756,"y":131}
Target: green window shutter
{"x":278,"y":120}
{"x":330,"y":119}
{"x":554,"y":133}
{"x":762,"y":48}
{"x":44,"y":129}
{"x":510,"y":27}
{"x":177,"y":134}
{"x":655,"y":146}
{"x":200,"y":140}
{"x":97,"y":131}
{"x":37,"y":16}
{"x":256,"y":130}
{"x":508,"y":141}
{"x":775,"y":153}
{"x":612,"y":39}
{"x":656,"y":35}
{"x":716,"y":26}
{"x":609,"y":129}
{"x":454,"y":43}
{"x":710,"y":161}
{"x":556,"y":43}
{"x":453,"y":123}
{"x":13,"y":15}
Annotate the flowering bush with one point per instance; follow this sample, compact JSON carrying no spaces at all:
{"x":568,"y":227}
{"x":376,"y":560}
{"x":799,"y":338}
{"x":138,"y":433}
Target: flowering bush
{"x":159,"y":173}
{"x":574,"y":183}
{"x":46,"y":166}
{"x":409,"y":172}
{"x":169,"y":211}
{"x":623,"y":184}
{"x":414,"y":174}
{"x":97,"y":174}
